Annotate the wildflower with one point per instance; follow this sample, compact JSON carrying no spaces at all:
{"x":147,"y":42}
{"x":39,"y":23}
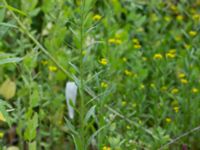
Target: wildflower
{"x":170,"y":55}
{"x":157,"y":56}
{"x":124,"y":59}
{"x":52,"y":68}
{"x":84,"y":52}
{"x":128,"y":127}
{"x":179,"y":17}
{"x":124,"y":103}
{"x":187,"y":46}
{"x":168,"y":120}
{"x":1,"y":134}
{"x":134,"y":105}
{"x":111,"y":41}
{"x":71,"y":94}
{"x":173,"y":8}
{"x":2,"y":117}
{"x":135,"y":41}
{"x":44,"y":62}
{"x":97,"y":17}
{"x":181,"y":75}
{"x":178,"y":38}
{"x":195,"y":90}
{"x":116,"y":41}
{"x":184,"y":81}
{"x":192,"y":33}
{"x":196,"y":17}
{"x":164,"y":88}
{"x":103,"y":61}
{"x":127,"y":72}
{"x":137,"y":46}
{"x":106,"y":148}
{"x":144,"y":58}
{"x":104,"y":85}
{"x":152,"y":85}
{"x":174,"y":91}
{"x":167,"y":18}
{"x":142,"y":86}
{"x":176,"y":109}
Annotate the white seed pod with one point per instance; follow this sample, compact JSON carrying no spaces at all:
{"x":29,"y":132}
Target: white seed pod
{"x":71,"y":94}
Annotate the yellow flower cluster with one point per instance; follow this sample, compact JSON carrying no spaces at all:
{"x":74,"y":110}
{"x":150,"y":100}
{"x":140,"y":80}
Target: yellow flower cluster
{"x":104,"y":85}
{"x":192,"y":33}
{"x":174,"y":91}
{"x":52,"y":68}
{"x":195,"y":90}
{"x":171,"y":53}
{"x":116,"y":40}
{"x":182,"y":78}
{"x":1,"y":134}
{"x":128,"y":72}
{"x":106,"y":148}
{"x":168,"y":120}
{"x":176,"y":109}
{"x":103,"y":61}
{"x":157,"y":56}
{"x":136,"y":43}
{"x":97,"y":17}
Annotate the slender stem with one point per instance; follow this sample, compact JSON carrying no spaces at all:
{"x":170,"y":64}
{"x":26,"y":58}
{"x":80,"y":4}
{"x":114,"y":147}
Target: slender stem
{"x":82,"y":103}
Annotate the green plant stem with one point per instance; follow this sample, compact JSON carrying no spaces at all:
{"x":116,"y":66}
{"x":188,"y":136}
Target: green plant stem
{"x":82,"y":103}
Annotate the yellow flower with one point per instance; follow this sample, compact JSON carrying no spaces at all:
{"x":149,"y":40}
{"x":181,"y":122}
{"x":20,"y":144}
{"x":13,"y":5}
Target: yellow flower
{"x":173,"y":8}
{"x":103,"y":61}
{"x":44,"y":62}
{"x":170,"y":55}
{"x":176,"y":109}
{"x":127,"y":72}
{"x":179,"y":17}
{"x":164,"y":88}
{"x":97,"y":17}
{"x":128,"y":127}
{"x":52,"y":68}
{"x":174,"y":91}
{"x":144,"y":58}
{"x":2,"y":117}
{"x":196,"y":17}
{"x":142,"y":86}
{"x":134,"y":105}
{"x":135,"y":41}
{"x":167,"y":18}
{"x":1,"y":134}
{"x":104,"y":85}
{"x":116,"y":41}
{"x":137,"y":46}
{"x":106,"y":148}
{"x":124,"y":103}
{"x":124,"y":59}
{"x":157,"y":56}
{"x":168,"y":120}
{"x":195,"y":90}
{"x":184,"y":81}
{"x":152,"y":85}
{"x":84,"y":52}
{"x":192,"y":33}
{"x":187,"y":46}
{"x":181,"y":75}
{"x":111,"y":41}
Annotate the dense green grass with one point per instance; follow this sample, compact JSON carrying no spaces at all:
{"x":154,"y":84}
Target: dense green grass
{"x":136,"y":65}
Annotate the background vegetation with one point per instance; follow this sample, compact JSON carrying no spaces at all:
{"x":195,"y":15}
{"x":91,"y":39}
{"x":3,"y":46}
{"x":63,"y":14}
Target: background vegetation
{"x":136,"y":65}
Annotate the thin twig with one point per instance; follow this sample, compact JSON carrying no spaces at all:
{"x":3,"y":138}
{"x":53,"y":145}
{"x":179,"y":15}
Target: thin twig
{"x":179,"y":137}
